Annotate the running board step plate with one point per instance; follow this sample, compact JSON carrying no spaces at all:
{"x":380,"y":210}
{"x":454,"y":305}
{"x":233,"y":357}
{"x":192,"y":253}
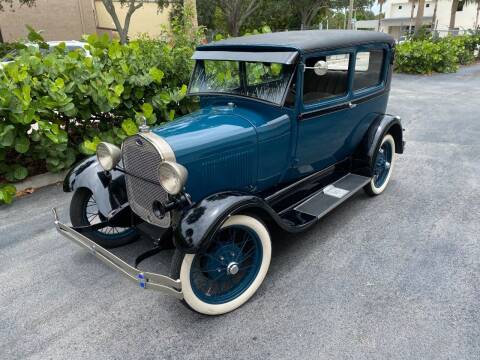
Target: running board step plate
{"x":328,"y":198}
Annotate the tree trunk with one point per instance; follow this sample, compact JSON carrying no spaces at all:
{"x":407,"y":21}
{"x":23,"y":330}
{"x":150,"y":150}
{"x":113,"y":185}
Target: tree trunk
{"x":453,"y":13}
{"x":434,"y":17}
{"x":476,"y":18}
{"x":411,"y":18}
{"x":419,"y":18}
{"x":122,"y":30}
{"x":380,"y":16}
{"x":350,"y":15}
{"x":191,"y":6}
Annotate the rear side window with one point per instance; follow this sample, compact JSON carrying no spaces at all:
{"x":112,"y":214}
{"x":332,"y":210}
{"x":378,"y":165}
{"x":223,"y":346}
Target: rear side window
{"x":331,"y":83}
{"x":368,"y":69}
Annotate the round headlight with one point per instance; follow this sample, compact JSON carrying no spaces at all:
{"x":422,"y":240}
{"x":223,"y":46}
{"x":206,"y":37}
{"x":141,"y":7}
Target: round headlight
{"x":172,"y":176}
{"x":108,"y":155}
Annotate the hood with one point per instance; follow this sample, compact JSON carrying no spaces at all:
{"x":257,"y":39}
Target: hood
{"x":217,"y":145}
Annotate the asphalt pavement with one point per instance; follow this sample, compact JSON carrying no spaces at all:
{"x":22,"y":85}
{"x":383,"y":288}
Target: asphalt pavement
{"x":391,"y":277}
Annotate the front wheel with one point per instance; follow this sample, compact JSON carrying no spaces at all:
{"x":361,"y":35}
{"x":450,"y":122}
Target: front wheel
{"x":84,"y":212}
{"x":382,"y":166}
{"x":226,"y":274}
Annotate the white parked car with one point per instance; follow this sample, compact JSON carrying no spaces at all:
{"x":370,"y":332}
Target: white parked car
{"x":70,"y":45}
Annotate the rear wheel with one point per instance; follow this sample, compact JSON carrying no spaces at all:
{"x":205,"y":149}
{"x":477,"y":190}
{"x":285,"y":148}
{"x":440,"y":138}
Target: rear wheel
{"x":382,"y":166}
{"x":84,"y":212}
{"x":226,"y":274}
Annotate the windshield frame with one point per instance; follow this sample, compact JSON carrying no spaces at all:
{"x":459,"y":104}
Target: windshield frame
{"x":243,"y":75}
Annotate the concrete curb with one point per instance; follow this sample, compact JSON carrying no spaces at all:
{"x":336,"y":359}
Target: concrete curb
{"x":41,"y":180}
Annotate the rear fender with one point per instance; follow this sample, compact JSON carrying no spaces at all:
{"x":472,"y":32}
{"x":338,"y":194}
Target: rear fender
{"x":365,"y":154}
{"x":108,"y":188}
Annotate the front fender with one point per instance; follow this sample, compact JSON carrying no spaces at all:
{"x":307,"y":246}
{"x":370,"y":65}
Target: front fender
{"x":199,"y":223}
{"x":108,"y":188}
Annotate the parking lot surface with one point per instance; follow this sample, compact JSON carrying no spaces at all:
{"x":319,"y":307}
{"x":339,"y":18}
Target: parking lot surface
{"x":391,"y":277}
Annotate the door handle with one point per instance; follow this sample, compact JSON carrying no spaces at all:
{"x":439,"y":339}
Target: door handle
{"x":351,"y":105}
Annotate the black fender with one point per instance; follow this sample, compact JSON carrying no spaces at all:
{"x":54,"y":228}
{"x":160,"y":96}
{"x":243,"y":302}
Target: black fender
{"x":382,"y":125}
{"x":200,"y":222}
{"x":108,"y":187}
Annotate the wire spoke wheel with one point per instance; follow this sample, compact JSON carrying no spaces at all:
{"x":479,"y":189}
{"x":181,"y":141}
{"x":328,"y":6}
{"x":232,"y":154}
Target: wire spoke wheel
{"x":382,"y":166}
{"x":84,"y":211}
{"x":228,"y":267}
{"x":223,"y":276}
{"x":94,"y":216}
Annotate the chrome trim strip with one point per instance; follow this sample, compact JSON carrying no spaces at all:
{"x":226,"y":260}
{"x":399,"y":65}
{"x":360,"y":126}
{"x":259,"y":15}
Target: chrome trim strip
{"x":145,"y":280}
{"x":162,"y":146}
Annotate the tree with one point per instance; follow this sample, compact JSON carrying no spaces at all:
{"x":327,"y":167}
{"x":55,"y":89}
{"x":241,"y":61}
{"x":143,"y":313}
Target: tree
{"x":434,"y":17}
{"x":308,"y":10}
{"x":476,"y":17}
{"x":380,"y":2}
{"x":419,"y":18}
{"x":10,"y":3}
{"x":412,"y":2}
{"x":453,"y":13}
{"x":133,"y":5}
{"x":236,"y":12}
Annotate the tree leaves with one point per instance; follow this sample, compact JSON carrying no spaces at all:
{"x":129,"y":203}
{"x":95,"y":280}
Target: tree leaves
{"x":58,"y":105}
{"x":156,"y":74}
{"x":22,"y":144}
{"x":129,"y":126}
{"x":7,"y":193}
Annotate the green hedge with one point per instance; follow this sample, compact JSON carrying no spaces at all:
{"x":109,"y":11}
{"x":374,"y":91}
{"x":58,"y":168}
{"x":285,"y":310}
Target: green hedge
{"x":56,"y":107}
{"x":442,"y":55}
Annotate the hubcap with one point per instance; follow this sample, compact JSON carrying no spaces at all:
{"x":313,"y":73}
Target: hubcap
{"x":232,"y":268}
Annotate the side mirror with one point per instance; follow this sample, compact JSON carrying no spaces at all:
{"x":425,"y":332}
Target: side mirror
{"x":320,"y":68}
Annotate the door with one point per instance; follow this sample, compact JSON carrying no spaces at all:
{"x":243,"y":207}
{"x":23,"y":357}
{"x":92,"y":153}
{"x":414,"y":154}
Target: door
{"x":331,"y":122}
{"x":325,"y":118}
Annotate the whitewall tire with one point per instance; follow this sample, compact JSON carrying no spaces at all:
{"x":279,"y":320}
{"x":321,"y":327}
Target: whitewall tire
{"x":230,"y":271}
{"x":382,"y":167}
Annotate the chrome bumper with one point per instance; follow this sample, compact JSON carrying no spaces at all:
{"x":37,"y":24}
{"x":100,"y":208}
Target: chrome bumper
{"x":146,"y":280}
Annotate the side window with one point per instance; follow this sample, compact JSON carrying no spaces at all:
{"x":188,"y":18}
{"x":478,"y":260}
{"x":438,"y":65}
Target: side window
{"x":328,"y":84}
{"x":368,"y":69}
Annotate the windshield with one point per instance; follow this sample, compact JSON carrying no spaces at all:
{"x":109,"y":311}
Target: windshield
{"x":264,"y":81}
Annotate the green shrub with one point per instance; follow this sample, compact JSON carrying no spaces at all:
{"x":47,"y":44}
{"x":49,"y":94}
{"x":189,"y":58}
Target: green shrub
{"x":56,"y":107}
{"x":425,"y":57}
{"x":441,"y":55}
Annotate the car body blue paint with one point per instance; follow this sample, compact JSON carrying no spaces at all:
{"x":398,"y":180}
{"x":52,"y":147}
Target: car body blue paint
{"x":248,"y":146}
{"x":253,"y":145}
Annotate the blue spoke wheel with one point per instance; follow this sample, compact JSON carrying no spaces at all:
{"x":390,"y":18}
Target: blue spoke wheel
{"x":226,"y":274}
{"x":84,"y":211}
{"x":382,"y":166}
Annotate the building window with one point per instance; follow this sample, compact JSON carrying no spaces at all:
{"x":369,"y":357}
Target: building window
{"x":400,"y":7}
{"x":460,"y":5}
{"x":368,"y":69}
{"x":331,"y":84}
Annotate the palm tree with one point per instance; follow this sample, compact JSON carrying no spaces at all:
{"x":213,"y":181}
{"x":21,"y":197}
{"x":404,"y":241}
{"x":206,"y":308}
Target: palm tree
{"x":412,"y":2}
{"x":419,"y":18}
{"x":476,"y":18}
{"x":453,"y":13}
{"x":381,"y":2}
{"x":434,"y":17}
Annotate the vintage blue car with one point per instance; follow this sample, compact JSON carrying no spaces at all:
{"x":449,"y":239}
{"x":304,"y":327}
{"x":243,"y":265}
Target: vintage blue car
{"x":291,"y":125}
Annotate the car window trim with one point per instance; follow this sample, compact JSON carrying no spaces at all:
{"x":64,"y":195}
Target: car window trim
{"x":334,"y":101}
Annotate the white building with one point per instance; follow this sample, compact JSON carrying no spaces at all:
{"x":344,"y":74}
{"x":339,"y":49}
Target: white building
{"x":398,"y":17}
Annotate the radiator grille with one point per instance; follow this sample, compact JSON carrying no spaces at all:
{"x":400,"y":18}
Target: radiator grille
{"x":141,"y":161}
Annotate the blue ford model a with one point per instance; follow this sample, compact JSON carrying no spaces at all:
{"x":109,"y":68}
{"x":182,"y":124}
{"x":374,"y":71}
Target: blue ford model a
{"x":291,"y":125}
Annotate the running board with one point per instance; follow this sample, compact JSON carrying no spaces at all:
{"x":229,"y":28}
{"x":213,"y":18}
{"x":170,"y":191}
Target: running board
{"x":328,"y":198}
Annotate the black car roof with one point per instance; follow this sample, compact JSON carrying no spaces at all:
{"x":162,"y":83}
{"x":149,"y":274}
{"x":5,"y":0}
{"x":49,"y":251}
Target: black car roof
{"x":303,"y":41}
